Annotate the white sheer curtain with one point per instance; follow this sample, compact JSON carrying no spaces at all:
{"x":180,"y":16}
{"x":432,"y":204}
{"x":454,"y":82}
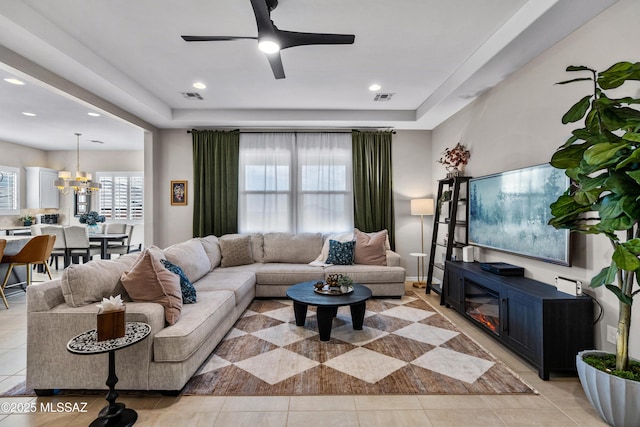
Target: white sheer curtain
{"x":265,"y":185}
{"x":325,"y":190}
{"x":295,"y":182}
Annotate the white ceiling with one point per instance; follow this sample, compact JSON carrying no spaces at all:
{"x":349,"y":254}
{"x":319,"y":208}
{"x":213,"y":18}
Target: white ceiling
{"x":435,"y":57}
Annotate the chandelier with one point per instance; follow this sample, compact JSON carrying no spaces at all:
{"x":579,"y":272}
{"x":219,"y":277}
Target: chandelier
{"x":81,"y":184}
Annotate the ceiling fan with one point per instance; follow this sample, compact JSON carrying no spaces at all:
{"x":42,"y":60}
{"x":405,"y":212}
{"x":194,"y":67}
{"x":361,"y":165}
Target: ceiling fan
{"x":272,"y":40}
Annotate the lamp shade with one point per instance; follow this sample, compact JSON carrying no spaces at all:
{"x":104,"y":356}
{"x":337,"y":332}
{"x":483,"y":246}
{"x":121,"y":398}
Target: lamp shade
{"x":422,"y":207}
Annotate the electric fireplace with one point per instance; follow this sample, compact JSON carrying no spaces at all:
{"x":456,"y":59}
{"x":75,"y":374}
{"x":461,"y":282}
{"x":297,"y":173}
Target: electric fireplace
{"x":482,"y":305}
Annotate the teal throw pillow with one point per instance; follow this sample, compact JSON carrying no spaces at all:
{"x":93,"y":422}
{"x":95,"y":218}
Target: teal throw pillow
{"x":187,"y":288}
{"x":341,"y":253}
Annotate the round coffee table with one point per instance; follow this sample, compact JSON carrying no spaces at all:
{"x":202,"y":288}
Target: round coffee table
{"x":303,"y":296}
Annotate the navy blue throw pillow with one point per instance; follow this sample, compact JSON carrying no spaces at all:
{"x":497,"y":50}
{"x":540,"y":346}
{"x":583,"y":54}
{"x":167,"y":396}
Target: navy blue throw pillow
{"x":187,"y":288}
{"x":341,"y":253}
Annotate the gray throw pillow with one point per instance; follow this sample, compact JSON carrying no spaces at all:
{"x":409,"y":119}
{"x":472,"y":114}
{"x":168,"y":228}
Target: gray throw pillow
{"x":236,"y":251}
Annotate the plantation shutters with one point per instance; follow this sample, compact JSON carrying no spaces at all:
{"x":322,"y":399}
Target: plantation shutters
{"x":9,"y":190}
{"x":121,"y":196}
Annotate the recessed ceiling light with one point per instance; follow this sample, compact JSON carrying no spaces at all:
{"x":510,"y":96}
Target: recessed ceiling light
{"x":14,"y":81}
{"x":375,"y":87}
{"x":92,"y":114}
{"x":199,"y":85}
{"x":28,"y":114}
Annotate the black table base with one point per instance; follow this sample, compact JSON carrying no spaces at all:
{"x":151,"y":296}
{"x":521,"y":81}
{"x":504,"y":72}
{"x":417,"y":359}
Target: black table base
{"x":325,"y":315}
{"x":114,"y":414}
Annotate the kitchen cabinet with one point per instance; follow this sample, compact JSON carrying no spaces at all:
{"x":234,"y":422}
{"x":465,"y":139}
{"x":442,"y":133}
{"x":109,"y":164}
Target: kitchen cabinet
{"x":41,"y":193}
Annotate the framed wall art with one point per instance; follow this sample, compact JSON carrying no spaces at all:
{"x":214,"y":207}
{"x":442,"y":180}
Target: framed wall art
{"x":178,"y":193}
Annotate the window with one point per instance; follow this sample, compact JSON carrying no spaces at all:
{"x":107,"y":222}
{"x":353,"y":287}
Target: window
{"x":121,"y":196}
{"x":9,"y":190}
{"x":295,"y":182}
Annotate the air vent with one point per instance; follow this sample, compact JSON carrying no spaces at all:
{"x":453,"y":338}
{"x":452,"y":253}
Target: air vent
{"x":381,"y":97}
{"x":192,"y":95}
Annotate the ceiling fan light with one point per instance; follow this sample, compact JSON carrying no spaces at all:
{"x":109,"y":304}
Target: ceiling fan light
{"x":268,"y":46}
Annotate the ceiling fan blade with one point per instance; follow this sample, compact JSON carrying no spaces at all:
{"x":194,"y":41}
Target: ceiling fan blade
{"x":293,"y":38}
{"x":276,"y":65}
{"x":214,"y":38}
{"x":263,"y":18}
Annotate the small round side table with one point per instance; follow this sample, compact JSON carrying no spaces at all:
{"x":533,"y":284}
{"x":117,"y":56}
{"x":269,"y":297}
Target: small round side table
{"x":421,"y":283}
{"x":114,"y":414}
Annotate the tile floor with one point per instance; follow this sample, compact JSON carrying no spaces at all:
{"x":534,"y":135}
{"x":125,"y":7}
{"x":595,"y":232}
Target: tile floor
{"x":561,"y":401}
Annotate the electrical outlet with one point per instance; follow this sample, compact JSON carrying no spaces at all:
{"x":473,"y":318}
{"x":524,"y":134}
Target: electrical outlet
{"x":611,"y":334}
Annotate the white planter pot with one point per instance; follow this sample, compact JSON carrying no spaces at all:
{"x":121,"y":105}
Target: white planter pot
{"x":616,"y":399}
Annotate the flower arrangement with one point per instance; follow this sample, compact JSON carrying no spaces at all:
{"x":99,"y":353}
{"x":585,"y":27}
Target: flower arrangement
{"x":455,"y":158}
{"x":91,"y":218}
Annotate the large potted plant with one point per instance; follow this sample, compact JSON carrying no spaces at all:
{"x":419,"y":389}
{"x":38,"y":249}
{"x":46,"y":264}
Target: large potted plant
{"x":602,"y":158}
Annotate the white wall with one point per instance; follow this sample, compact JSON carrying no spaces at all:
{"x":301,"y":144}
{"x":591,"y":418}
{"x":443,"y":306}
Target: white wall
{"x":517,"y":124}
{"x":173,"y":161}
{"x":411,"y":151}
{"x":18,"y":156}
{"x":412,"y":170}
{"x":92,"y":162}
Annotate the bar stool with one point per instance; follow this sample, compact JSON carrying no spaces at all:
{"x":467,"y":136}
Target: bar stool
{"x":36,"y":252}
{"x":3,"y":243}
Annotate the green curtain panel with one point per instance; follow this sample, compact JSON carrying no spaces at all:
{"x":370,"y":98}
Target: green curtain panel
{"x":215,"y":175}
{"x":372,"y":182}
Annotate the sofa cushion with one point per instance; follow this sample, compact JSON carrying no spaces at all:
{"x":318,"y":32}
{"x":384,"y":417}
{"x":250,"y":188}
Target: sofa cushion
{"x":198,"y":321}
{"x":84,"y":284}
{"x":191,"y":257}
{"x":189,"y":295}
{"x":340,"y":253}
{"x":370,"y":248}
{"x":211,"y":246}
{"x":292,"y":248}
{"x":236,"y":251}
{"x":257,"y":241}
{"x":369,"y":273}
{"x":288,"y":274}
{"x":241,"y":283}
{"x":149,"y":281}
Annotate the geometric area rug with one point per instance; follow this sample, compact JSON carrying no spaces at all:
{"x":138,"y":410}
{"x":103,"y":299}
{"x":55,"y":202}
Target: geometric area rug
{"x":405,"y":347}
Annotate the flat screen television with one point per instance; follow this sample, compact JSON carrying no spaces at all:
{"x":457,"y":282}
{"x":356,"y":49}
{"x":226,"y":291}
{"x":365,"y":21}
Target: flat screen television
{"x":509,"y":212}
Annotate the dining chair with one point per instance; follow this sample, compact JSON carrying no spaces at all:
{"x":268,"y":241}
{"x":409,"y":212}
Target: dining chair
{"x":36,"y":252}
{"x":115,"y":228}
{"x":123,"y":247}
{"x":60,"y":246}
{"x":3,"y":244}
{"x":78,"y":245}
{"x":36,"y":229}
{"x":137,"y":238}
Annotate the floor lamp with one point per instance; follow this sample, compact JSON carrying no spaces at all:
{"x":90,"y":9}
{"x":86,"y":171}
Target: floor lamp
{"x":421,"y":207}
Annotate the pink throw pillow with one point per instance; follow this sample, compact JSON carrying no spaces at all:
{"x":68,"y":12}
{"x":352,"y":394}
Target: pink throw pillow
{"x":370,"y":248}
{"x":149,"y":281}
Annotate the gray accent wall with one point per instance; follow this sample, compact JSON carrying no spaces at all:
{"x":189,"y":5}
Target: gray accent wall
{"x":518,"y":124}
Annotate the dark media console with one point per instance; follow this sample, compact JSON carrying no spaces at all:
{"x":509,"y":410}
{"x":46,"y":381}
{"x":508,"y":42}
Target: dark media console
{"x":546,"y":327}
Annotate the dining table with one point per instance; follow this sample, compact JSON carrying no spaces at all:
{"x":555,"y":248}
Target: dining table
{"x":104,"y":239}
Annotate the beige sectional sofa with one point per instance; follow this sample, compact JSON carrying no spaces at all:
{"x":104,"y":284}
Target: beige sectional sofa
{"x":59,"y":309}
